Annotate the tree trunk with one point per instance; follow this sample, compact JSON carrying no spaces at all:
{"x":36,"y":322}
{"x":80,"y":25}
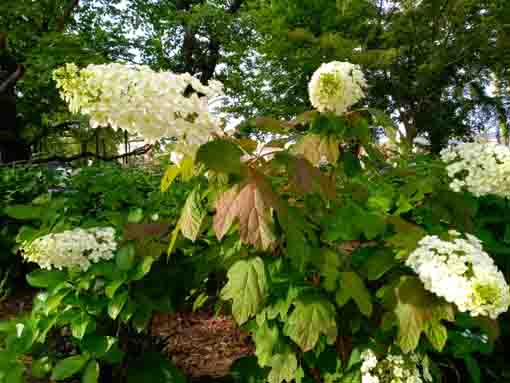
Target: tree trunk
{"x":12,"y":146}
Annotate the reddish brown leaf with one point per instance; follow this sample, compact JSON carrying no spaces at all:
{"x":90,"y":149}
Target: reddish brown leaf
{"x":250,"y":204}
{"x":308,"y":178}
{"x":138,"y":231}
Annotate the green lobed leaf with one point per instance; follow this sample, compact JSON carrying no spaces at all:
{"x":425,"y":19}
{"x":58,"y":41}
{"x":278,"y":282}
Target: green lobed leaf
{"x":311,"y":318}
{"x":91,"y":373}
{"x":220,"y":156}
{"x":24,"y":212}
{"x":142,"y":317}
{"x":173,"y":239}
{"x":266,"y":339}
{"x":68,"y":367}
{"x":187,"y":168}
{"x":54,"y":301}
{"x":114,"y":355}
{"x":183,"y":169}
{"x":199,"y":301}
{"x":135,"y":215}
{"x":15,"y":374}
{"x":351,"y":377}
{"x":154,"y":367}
{"x":352,"y":287}
{"x":192,"y":215}
{"x":329,"y":264}
{"x":473,"y":369}
{"x":346,"y":222}
{"x":113,"y":286}
{"x":97,"y":345}
{"x":246,"y":287}
{"x":374,"y":226}
{"x":170,"y":175}
{"x":407,"y":235}
{"x":297,"y":247}
{"x":128,"y":311}
{"x":125,"y":257}
{"x":46,"y":278}
{"x":41,"y":367}
{"x":284,"y":367}
{"x":280,"y":308}
{"x":116,"y":305}
{"x":378,"y":264}
{"x":351,"y":163}
{"x":417,"y":311}
{"x":247,"y":370}
{"x":108,"y":270}
{"x":79,"y":325}
{"x":142,"y":268}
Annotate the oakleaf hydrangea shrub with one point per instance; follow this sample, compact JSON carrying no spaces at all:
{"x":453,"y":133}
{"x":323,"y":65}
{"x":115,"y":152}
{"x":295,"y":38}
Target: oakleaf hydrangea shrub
{"x":319,"y":250}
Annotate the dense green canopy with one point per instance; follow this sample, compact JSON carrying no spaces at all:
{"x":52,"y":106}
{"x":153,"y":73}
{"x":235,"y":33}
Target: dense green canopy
{"x":438,"y":67}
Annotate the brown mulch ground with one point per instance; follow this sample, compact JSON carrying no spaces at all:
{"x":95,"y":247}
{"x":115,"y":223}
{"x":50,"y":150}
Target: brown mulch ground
{"x":201,"y":344}
{"x":16,"y":304}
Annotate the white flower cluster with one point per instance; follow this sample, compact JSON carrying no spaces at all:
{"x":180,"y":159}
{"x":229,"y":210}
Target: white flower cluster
{"x":73,"y":249}
{"x":462,"y":273}
{"x":336,"y":86}
{"x":480,"y":168}
{"x":141,"y":101}
{"x":393,"y":368}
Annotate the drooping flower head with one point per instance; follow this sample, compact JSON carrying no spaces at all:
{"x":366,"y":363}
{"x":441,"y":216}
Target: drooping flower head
{"x":462,"y":273}
{"x":336,"y":86}
{"x":151,"y":104}
{"x":72,"y":249}
{"x":394,"y":368}
{"x":480,"y":168}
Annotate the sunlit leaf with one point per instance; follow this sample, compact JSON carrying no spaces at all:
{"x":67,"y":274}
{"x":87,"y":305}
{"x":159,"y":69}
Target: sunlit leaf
{"x":284,"y":367}
{"x":220,"y":156}
{"x":266,"y":339}
{"x":246,"y":287}
{"x":311,"y":318}
{"x":192,"y":216}
{"x":250,"y":204}
{"x":418,"y":312}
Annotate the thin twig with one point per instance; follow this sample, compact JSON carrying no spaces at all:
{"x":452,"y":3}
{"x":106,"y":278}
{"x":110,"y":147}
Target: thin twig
{"x":137,"y":152}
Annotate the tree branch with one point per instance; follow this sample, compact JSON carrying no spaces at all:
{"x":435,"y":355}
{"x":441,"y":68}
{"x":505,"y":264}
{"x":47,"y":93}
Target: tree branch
{"x":234,"y":6}
{"x":61,"y":23}
{"x":3,"y":41}
{"x":49,"y":129}
{"x":12,"y":79}
{"x":210,"y":61}
{"x":137,"y":152}
{"x":188,"y":46}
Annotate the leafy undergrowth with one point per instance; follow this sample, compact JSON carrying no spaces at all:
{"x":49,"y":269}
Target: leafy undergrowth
{"x":309,"y":259}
